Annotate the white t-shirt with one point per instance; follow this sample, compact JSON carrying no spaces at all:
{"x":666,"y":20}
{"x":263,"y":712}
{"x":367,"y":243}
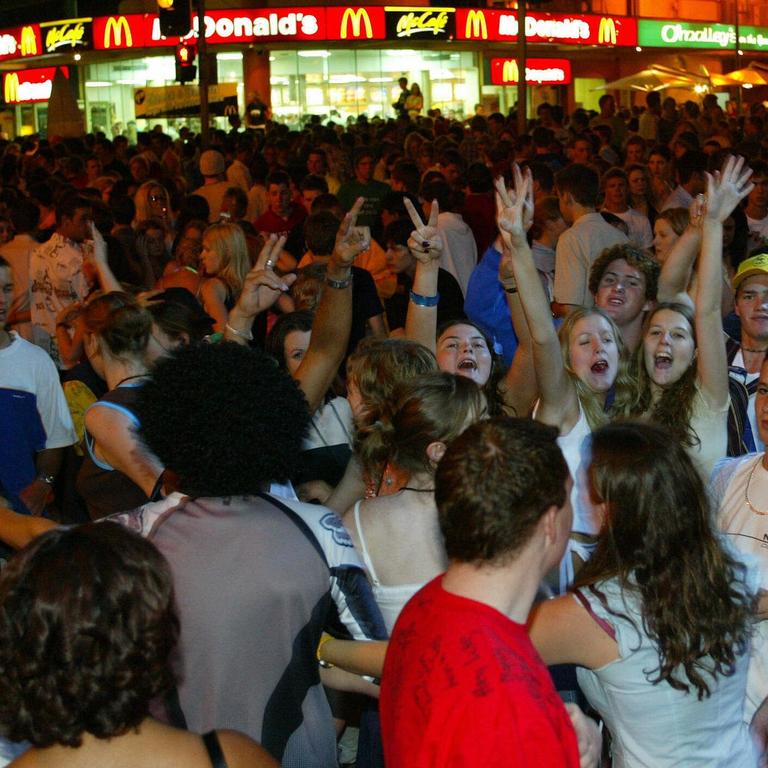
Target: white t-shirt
{"x":759,"y":227}
{"x":748,"y":532}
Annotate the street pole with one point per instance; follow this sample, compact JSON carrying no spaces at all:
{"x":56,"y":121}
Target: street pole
{"x":522,"y":51}
{"x":738,"y":58}
{"x":202,"y":57}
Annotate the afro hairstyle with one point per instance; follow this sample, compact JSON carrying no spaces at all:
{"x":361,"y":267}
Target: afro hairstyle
{"x":223,"y":418}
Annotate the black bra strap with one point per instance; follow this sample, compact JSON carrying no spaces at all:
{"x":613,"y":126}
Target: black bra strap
{"x":212,"y":746}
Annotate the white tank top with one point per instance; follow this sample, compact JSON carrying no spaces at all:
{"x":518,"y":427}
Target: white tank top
{"x":390,"y":599}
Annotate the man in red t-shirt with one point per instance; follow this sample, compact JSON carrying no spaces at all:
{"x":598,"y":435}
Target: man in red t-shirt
{"x":462,"y":684}
{"x":283,"y":217}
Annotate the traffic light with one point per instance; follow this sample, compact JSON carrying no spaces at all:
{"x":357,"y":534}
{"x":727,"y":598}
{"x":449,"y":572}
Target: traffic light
{"x":175,"y":17}
{"x":186,"y":53}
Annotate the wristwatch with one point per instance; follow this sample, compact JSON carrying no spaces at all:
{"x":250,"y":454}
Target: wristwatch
{"x":48,"y":479}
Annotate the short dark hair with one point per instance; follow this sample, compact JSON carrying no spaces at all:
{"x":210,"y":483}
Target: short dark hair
{"x":690,"y":162}
{"x":581,"y":182}
{"x":407,"y":173}
{"x":123,"y":209}
{"x":24,"y":215}
{"x":220,"y":391}
{"x":314,"y":182}
{"x":69,"y":204}
{"x":542,"y":173}
{"x":440,"y":190}
{"x":87,"y":627}
{"x":397,"y":232}
{"x":320,"y":232}
{"x":494,"y":483}
{"x":279,"y":178}
{"x":635,"y":257}
{"x":479,"y":178}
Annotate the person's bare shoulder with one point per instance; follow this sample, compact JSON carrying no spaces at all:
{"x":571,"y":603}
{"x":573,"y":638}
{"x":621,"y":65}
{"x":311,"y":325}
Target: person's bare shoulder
{"x":241,"y":751}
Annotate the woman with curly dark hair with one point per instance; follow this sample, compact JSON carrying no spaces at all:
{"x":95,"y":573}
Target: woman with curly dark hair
{"x":87,"y":629}
{"x":659,"y":618}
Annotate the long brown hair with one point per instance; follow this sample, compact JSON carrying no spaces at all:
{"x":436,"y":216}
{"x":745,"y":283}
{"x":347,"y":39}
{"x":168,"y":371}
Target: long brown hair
{"x":658,"y":541}
{"x":674,"y":409}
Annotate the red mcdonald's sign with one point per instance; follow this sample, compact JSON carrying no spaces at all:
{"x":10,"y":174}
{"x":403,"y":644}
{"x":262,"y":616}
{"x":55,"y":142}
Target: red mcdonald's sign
{"x":355,"y":23}
{"x":537,"y":71}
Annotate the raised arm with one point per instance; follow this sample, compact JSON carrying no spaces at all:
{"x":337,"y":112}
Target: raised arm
{"x":426,"y":246}
{"x":261,"y":289}
{"x":677,"y":270}
{"x":724,"y":192}
{"x":107,"y":280}
{"x":558,"y":404}
{"x":519,"y":388}
{"x":333,"y":319}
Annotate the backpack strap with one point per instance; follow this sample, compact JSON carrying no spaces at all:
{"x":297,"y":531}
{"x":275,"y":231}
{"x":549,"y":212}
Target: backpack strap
{"x":213,"y":748}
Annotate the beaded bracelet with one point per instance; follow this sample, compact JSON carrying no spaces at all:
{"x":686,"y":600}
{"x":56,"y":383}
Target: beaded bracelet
{"x":425,"y":301}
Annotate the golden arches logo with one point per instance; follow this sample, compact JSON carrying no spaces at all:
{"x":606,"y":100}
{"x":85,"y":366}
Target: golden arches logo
{"x":357,"y":19}
{"x":11,"y":88}
{"x":606,"y":32}
{"x":115,"y":29}
{"x":477,"y":26}
{"x":28,"y":41}
{"x":510,"y":73}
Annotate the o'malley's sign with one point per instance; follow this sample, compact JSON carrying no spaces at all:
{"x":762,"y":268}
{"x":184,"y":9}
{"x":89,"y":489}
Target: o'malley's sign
{"x":667,"y":33}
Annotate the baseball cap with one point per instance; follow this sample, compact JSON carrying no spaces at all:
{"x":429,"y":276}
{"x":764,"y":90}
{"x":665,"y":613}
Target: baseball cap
{"x":755,"y":265}
{"x":211,"y":163}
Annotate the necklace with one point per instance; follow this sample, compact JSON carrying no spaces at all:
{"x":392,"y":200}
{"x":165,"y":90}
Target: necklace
{"x":421,"y":490}
{"x":746,"y":490}
{"x":761,"y":351}
{"x":130,"y":378}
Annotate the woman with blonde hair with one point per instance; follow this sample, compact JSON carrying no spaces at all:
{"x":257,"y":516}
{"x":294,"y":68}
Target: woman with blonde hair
{"x":152,"y":201}
{"x":225,"y":262}
{"x":581,"y":372}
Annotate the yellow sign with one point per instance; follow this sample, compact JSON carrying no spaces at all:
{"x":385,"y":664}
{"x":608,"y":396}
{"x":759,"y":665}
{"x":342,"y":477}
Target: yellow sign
{"x":477,"y":27}
{"x":357,"y":19}
{"x":116,"y":27}
{"x":11,"y":88}
{"x":28,"y":42}
{"x":606,"y":32}
{"x":69,"y":33}
{"x":510,"y":72}
{"x":434,"y":21}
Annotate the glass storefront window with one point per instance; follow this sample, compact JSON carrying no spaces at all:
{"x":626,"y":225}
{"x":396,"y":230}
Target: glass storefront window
{"x":343,"y":84}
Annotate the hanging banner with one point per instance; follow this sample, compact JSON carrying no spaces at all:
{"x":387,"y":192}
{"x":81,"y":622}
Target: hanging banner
{"x":184,"y":101}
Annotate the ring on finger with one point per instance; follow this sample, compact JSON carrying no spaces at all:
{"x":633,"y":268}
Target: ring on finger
{"x":270,"y":264}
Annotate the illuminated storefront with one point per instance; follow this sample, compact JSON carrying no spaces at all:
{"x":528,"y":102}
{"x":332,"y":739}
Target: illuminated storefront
{"x":340,"y":61}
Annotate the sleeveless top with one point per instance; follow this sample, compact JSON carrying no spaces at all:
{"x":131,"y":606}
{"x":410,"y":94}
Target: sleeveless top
{"x":390,"y":599}
{"x":105,"y":489}
{"x":575,"y":448}
{"x":655,"y":726}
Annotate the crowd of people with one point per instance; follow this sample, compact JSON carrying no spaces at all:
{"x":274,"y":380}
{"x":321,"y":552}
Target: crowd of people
{"x":413,"y":442}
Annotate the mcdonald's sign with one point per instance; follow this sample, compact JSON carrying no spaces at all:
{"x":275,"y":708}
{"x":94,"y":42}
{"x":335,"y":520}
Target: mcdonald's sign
{"x":476,"y":27}
{"x":537,"y":71}
{"x":355,"y":23}
{"x":29,"y":85}
{"x":606,"y":31}
{"x":357,"y":19}
{"x":117,"y":33}
{"x":28,"y":41}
